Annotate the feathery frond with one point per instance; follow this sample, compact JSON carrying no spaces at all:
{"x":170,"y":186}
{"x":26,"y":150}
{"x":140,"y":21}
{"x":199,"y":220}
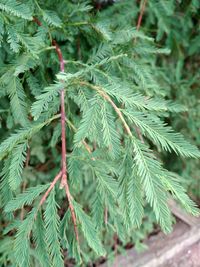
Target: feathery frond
{"x":52,"y":237}
{"x":25,"y":198}
{"x":17,"y":9}
{"x":89,"y":231}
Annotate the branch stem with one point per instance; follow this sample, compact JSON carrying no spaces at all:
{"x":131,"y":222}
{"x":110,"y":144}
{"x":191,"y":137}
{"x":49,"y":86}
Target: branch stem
{"x":64,"y":183}
{"x":43,"y":199}
{"x":62,"y":105}
{"x":63,"y":173}
{"x":73,"y":215}
{"x":138,"y":27}
{"x":141,"y":15}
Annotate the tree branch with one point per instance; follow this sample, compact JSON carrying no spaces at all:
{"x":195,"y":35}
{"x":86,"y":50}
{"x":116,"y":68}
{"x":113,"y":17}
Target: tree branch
{"x":24,"y":183}
{"x":138,"y":27}
{"x":43,"y":199}
{"x":62,"y":104}
{"x":107,"y":98}
{"x":141,"y":15}
{"x":73,"y":215}
{"x":63,"y":173}
{"x":87,"y":147}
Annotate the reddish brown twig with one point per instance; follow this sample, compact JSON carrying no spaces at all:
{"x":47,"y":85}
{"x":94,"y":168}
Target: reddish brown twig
{"x":64,"y":182}
{"x":62,"y":104}
{"x":63,"y":173}
{"x":71,"y":207}
{"x":58,"y":176}
{"x":141,"y":15}
{"x":138,"y":27}
{"x":37,"y":21}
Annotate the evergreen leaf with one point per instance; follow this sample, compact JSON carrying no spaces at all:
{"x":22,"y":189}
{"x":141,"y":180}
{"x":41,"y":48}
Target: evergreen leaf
{"x":171,"y":181}
{"x":88,"y":122}
{"x":6,"y":192}
{"x":17,"y":101}
{"x":135,"y":200}
{"x":51,"y":18}
{"x":110,"y":135}
{"x":25,"y":198}
{"x":52,"y":235}
{"x":19,"y":136}
{"x":148,"y":168}
{"x":18,"y":159}
{"x":17,"y":9}
{"x":21,"y":243}
{"x":39,"y":238}
{"x":163,"y":135}
{"x":43,"y":100}
{"x":13,"y":40}
{"x":89,"y":230}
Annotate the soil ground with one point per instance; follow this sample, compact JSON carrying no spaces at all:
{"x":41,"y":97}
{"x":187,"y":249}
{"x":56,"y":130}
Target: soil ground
{"x":181,"y":248}
{"x":188,"y":258}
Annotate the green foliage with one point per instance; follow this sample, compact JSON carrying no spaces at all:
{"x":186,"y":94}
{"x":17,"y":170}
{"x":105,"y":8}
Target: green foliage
{"x":162,"y":135}
{"x":16,"y":9}
{"x":39,"y":239}
{"x":52,"y":225}
{"x":25,"y":198}
{"x":127,"y":92}
{"x":21,"y":242}
{"x":18,"y":158}
{"x":89,"y":230}
{"x":135,"y":200}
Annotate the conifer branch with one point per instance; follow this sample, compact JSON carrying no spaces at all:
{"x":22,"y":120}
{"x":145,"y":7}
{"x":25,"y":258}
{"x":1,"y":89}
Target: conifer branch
{"x":87,"y":147}
{"x":58,"y":176}
{"x":141,"y":15}
{"x":108,"y":99}
{"x":24,"y":183}
{"x":73,"y":215}
{"x":64,"y":182}
{"x":112,"y":97}
{"x":138,"y":27}
{"x":62,"y":104}
{"x":63,"y":173}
